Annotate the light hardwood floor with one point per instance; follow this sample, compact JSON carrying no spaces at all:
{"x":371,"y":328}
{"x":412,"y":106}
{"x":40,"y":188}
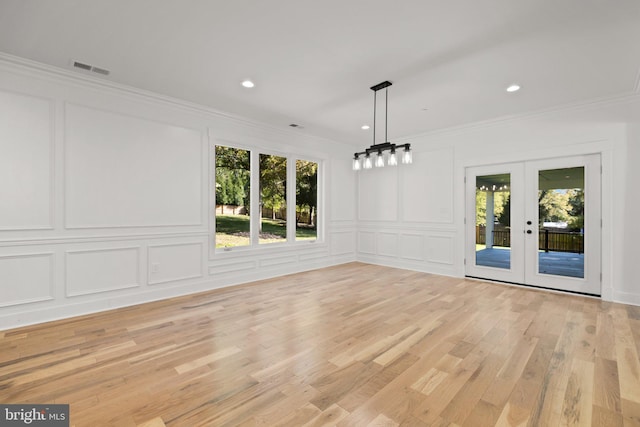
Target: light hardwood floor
{"x":352,"y":345}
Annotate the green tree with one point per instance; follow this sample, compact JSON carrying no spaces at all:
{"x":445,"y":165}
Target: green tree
{"x":552,"y":206}
{"x":232,"y":176}
{"x":307,"y":187}
{"x":499,"y":200}
{"x":505,"y":215}
{"x":576,"y":209}
{"x":273,"y":182}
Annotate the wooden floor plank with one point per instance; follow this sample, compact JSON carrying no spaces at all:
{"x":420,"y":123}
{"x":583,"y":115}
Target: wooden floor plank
{"x":351,"y":345}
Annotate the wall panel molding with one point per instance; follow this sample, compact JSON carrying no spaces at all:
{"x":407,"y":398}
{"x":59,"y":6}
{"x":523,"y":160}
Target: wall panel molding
{"x":277,"y":260}
{"x":312,"y":256}
{"x":27,"y":278}
{"x":180,"y":260}
{"x":387,"y":244}
{"x":343,"y":242}
{"x":62,"y":240}
{"x":427,"y":191}
{"x":232,"y":267}
{"x":440,"y":249}
{"x":97,"y":270}
{"x":159,"y":180}
{"x":367,"y":242}
{"x":412,"y":246}
{"x":27,"y":163}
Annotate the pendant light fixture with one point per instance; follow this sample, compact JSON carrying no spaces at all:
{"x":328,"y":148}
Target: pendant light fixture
{"x":363,"y":159}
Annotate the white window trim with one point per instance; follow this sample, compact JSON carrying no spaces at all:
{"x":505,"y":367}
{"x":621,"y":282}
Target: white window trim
{"x":255,"y":246}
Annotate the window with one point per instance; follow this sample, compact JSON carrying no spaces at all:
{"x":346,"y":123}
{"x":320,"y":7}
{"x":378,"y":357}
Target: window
{"x":284,"y":192}
{"x":273,"y":199}
{"x":233,"y":190}
{"x":306,"y":200}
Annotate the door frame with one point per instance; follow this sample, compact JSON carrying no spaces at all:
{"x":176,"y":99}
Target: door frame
{"x":524,"y":180}
{"x":591,"y":283}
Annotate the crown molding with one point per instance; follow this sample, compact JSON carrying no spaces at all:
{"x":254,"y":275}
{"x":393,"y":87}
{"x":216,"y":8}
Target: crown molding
{"x":537,"y":114}
{"x":53,"y":73}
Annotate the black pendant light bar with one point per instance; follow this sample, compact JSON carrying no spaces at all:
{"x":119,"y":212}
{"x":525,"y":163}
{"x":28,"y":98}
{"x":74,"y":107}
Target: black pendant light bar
{"x":362,"y":159}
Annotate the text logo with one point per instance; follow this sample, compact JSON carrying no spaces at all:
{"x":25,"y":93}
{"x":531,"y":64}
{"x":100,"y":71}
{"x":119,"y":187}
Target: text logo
{"x":34,"y":415}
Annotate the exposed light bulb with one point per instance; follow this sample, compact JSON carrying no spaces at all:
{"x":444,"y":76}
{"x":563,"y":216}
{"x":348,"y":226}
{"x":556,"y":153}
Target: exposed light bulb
{"x":407,"y":158}
{"x":356,"y":164}
{"x":367,"y":162}
{"x":393,"y":158}
{"x":379,"y":160}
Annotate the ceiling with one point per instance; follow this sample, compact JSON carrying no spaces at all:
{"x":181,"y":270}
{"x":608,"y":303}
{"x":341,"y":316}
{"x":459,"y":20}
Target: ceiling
{"x":313,"y":61}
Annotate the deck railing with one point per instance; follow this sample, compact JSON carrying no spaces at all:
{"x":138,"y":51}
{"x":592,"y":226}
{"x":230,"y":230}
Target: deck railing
{"x":548,"y":240}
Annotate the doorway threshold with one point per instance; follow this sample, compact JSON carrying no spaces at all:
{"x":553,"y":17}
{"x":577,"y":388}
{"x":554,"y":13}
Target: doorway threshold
{"x":559,"y":291}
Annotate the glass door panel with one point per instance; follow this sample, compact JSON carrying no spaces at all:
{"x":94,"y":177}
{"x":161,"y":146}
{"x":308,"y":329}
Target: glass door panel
{"x":493,"y":221}
{"x":495,"y":236}
{"x":561,"y":222}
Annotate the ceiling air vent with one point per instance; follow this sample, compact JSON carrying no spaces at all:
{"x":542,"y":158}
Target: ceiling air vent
{"x":89,"y":67}
{"x":100,"y":71}
{"x":82,"y":66}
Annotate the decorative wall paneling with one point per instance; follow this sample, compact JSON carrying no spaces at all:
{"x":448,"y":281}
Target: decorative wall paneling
{"x":26,"y":162}
{"x":387,"y":244}
{"x":426,"y":188}
{"x":412,"y":246}
{"x":26,"y":277}
{"x":123,"y":171}
{"x":343,"y":242}
{"x":286,"y":259}
{"x":421,"y":249}
{"x":99,"y":270}
{"x":171,"y":262}
{"x":110,"y":196}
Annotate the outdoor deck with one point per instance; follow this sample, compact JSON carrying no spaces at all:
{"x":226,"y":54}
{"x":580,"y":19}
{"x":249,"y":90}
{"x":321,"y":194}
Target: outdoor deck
{"x":555,"y":263}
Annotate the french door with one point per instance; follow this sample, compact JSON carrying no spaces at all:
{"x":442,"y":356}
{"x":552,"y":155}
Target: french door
{"x":536,"y":223}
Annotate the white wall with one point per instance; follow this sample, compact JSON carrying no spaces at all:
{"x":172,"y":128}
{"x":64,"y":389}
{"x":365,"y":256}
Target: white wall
{"x":629,"y":208}
{"x":99,"y":182}
{"x":412,"y":216}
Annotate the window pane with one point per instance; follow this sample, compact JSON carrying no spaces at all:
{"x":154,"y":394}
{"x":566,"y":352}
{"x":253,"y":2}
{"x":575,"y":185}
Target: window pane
{"x":273,"y":199}
{"x":306,"y":200}
{"x":561,"y":222}
{"x":493,"y":221}
{"x":233,"y":179}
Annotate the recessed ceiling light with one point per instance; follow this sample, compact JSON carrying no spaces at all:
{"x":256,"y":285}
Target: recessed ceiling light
{"x":513,"y":88}
{"x":364,"y":127}
{"x":248,"y":83}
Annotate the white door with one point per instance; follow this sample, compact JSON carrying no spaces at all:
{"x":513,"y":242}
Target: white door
{"x":536,"y":223}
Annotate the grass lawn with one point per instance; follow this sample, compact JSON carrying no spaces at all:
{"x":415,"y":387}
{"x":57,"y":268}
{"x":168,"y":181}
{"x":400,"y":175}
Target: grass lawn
{"x":233,"y":230}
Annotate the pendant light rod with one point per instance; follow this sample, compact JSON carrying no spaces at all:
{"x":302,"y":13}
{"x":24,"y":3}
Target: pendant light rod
{"x":384,"y":85}
{"x":386,"y":112}
{"x":374,"y":116}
